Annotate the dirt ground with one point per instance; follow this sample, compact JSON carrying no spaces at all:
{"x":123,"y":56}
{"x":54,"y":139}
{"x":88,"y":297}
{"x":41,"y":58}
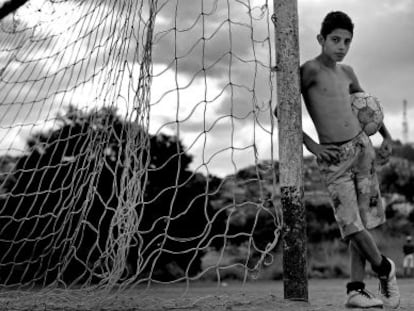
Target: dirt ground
{"x":324,"y":295}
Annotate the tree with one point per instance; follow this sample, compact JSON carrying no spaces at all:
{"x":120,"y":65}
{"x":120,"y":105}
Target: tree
{"x":398,"y":177}
{"x":56,"y":218}
{"x":246,"y":198}
{"x":177,"y":222}
{"x":404,"y":151}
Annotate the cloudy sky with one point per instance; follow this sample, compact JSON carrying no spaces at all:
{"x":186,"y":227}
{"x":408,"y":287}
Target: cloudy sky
{"x":211,"y":84}
{"x":382,"y":55}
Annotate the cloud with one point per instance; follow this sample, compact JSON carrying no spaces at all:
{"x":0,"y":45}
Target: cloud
{"x":212,"y":62}
{"x":70,"y":59}
{"x":66,"y":53}
{"x":206,"y":42}
{"x":218,"y":72}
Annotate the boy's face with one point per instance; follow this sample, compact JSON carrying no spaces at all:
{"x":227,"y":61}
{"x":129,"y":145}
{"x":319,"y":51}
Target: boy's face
{"x":336,"y":44}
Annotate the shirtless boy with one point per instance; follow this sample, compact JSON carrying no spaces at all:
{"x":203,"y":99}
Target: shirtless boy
{"x":346,"y":159}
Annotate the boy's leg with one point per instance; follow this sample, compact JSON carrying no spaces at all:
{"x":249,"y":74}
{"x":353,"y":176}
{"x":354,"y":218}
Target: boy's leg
{"x":405,"y":267}
{"x":365,"y":243}
{"x":357,"y":295}
{"x":357,"y":264}
{"x":385,"y":271}
{"x":372,"y":213}
{"x":354,"y":191}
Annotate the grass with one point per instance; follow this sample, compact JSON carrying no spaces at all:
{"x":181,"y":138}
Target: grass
{"x":327,"y":259}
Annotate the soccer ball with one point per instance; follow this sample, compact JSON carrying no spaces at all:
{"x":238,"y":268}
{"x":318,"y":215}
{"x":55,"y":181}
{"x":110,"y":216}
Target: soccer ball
{"x":368,"y":110}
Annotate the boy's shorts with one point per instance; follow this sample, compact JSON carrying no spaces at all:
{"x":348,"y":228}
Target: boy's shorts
{"x":408,"y":261}
{"x":353,"y":186}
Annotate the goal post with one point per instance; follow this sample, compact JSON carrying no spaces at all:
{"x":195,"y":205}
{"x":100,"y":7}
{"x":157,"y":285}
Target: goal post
{"x":290,"y":149}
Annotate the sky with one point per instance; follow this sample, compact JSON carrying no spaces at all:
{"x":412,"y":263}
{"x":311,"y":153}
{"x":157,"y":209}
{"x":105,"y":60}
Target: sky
{"x":211,"y":82}
{"x":381,"y":55}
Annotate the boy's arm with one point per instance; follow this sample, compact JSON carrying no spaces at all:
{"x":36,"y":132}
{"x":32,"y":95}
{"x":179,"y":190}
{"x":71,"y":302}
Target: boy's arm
{"x":322,"y":152}
{"x":327,"y":153}
{"x":385,"y":150}
{"x":384,"y":132}
{"x":354,"y":86}
{"x":386,"y":146}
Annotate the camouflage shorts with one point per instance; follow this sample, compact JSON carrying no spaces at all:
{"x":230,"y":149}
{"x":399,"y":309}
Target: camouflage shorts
{"x":353,"y":186}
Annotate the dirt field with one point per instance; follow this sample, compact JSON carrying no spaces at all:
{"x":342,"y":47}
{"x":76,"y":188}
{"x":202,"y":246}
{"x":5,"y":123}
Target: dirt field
{"x":324,"y":295}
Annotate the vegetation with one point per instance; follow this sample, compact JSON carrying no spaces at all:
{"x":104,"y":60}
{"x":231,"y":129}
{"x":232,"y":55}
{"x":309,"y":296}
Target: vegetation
{"x":74,"y":173}
{"x":60,"y":198}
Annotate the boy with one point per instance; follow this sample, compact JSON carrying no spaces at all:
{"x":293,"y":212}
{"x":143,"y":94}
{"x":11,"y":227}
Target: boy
{"x":408,"y":262}
{"x":346,"y":160}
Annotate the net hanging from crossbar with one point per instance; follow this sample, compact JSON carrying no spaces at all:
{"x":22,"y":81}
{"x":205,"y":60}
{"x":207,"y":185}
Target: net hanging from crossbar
{"x":136,"y":142}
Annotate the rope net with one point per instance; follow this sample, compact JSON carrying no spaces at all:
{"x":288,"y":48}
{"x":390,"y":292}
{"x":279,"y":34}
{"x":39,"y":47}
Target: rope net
{"x":136,"y":143}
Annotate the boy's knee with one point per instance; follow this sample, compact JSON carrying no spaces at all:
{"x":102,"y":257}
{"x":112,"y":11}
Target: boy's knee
{"x":357,"y":235}
{"x":375,"y":232}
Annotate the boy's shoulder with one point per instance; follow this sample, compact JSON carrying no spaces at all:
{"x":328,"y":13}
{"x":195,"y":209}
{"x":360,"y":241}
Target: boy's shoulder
{"x":315,"y":65}
{"x":309,"y":69}
{"x":347,"y":68}
{"x":311,"y":65}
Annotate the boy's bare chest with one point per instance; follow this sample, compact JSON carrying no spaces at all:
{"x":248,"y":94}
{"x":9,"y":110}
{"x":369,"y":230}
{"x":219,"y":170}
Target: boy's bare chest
{"x":332,"y":84}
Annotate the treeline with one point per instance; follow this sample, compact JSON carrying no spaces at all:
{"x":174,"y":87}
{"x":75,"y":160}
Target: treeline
{"x":67,"y":205}
{"x":59,"y":201}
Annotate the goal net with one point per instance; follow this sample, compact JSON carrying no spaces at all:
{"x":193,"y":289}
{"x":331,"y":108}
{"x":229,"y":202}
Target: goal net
{"x":136,"y":143}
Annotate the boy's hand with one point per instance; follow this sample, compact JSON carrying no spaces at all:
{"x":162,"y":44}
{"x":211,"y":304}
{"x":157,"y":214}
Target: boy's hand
{"x":329,"y":153}
{"x":384,"y":151}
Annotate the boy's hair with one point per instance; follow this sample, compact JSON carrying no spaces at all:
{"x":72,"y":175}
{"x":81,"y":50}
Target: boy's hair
{"x":334,"y":20}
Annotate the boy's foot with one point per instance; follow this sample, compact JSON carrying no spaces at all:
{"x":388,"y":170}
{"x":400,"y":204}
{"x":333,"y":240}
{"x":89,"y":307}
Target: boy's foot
{"x":388,"y":288}
{"x":362,"y":298}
